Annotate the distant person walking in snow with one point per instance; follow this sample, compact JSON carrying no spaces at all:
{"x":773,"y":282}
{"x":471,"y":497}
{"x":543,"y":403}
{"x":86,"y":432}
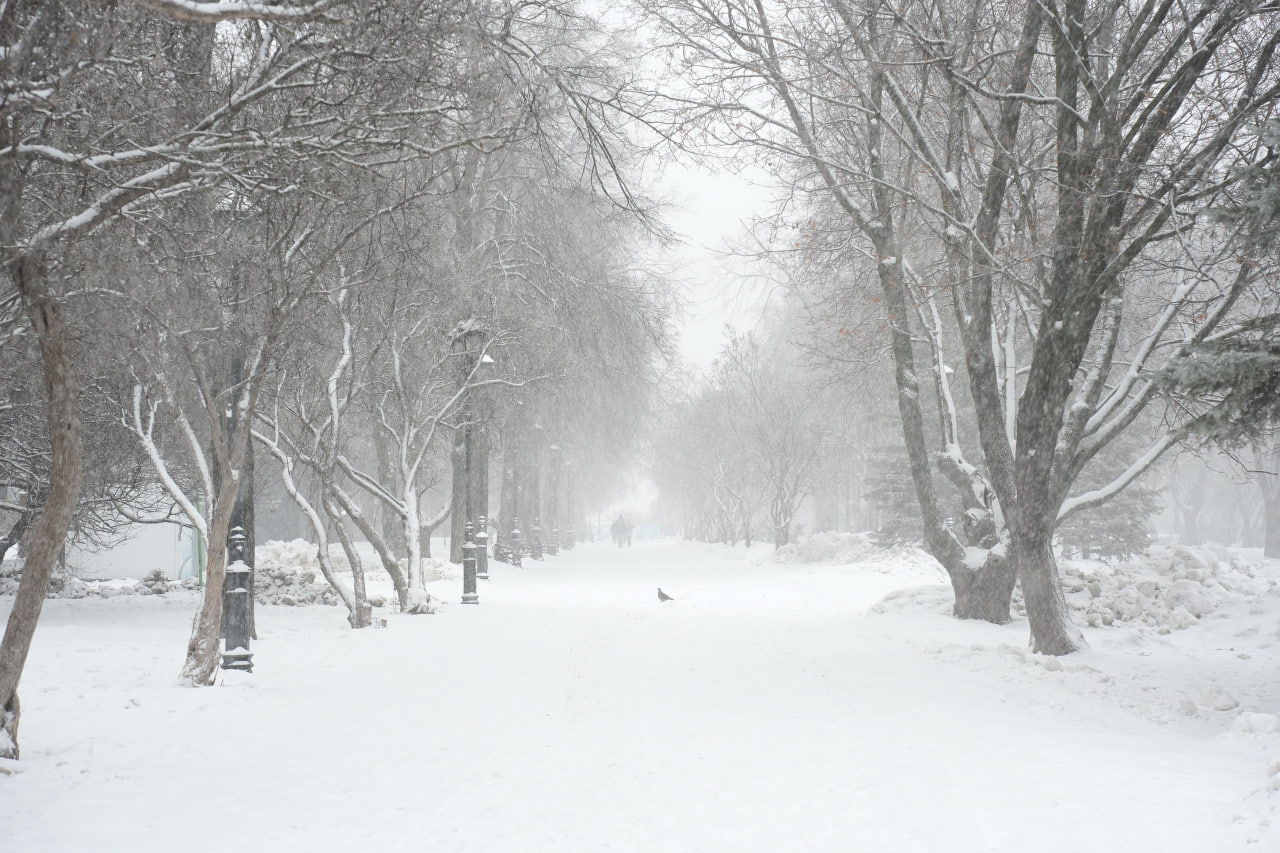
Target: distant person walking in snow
{"x":621,"y":531}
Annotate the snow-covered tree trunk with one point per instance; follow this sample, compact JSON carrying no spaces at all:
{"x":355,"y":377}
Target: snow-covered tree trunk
{"x":388,"y":558}
{"x":359,"y":611}
{"x":418,"y":601}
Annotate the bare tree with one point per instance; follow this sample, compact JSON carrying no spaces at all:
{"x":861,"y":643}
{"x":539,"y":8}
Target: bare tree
{"x":1062,"y":161}
{"x":67,"y":168}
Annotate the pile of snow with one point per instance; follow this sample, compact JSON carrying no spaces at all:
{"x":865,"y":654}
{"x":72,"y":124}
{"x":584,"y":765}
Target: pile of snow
{"x":830,"y":548}
{"x":1168,"y":588}
{"x":299,"y":555}
{"x":286,"y":573}
{"x":64,"y":585}
{"x":289,"y":572}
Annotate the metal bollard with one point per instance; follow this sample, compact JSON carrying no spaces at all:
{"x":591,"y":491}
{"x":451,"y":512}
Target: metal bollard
{"x":535,"y":544}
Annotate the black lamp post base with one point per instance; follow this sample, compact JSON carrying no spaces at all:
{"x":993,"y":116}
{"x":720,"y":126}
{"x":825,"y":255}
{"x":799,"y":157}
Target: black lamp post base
{"x":242,"y":661}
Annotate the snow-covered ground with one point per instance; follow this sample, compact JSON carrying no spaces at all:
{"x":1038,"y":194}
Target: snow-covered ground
{"x":775,"y":705}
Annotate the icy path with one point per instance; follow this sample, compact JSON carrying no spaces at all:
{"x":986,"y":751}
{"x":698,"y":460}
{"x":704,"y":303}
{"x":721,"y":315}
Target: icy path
{"x":763,"y":710}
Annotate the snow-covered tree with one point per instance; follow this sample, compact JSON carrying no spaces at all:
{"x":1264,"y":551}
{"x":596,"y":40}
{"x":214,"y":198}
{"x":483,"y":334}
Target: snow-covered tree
{"x":1043,"y":170}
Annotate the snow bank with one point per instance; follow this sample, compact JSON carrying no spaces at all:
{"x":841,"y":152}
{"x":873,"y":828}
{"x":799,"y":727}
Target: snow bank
{"x":289,"y":572}
{"x":1166,"y":588}
{"x":286,"y":573}
{"x":830,"y":548}
{"x":64,"y":585}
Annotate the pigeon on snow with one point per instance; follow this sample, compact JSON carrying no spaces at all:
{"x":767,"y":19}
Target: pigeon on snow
{"x":662,"y":596}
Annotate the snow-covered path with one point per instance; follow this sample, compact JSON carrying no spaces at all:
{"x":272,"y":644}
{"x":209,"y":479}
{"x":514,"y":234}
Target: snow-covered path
{"x":764,"y":709}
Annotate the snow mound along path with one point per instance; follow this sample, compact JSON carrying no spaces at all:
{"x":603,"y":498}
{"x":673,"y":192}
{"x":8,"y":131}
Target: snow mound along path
{"x":1166,"y":589}
{"x":298,"y":555}
{"x":64,"y":585}
{"x":289,"y":572}
{"x":831,"y":548}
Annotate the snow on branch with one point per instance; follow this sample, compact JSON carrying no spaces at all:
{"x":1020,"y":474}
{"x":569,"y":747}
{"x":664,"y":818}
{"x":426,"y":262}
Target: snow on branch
{"x":1096,"y":497}
{"x":217,"y":12}
{"x":143,"y":429}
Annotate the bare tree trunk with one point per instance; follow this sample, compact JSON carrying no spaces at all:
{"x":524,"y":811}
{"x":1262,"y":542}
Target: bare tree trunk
{"x":429,"y":526}
{"x":203,"y":655}
{"x":1188,"y":495}
{"x":984,"y":593}
{"x":359,"y":611}
{"x":392,"y":525}
{"x":507,"y":500}
{"x":46,"y":539}
{"x":1268,"y":474}
{"x":385,"y":554}
{"x":1052,"y":632}
{"x":459,"y":502}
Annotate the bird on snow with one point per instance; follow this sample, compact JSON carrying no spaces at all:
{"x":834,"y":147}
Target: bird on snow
{"x":662,"y":596}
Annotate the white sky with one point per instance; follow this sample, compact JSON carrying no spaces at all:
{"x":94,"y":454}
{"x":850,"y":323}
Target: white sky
{"x":710,"y":209}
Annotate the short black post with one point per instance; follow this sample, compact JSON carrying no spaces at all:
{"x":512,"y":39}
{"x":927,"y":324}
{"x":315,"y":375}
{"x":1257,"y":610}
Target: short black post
{"x":535,"y":544}
{"x":516,"y":558}
{"x":482,"y":550}
{"x":469,"y":595}
{"x":235,"y":604}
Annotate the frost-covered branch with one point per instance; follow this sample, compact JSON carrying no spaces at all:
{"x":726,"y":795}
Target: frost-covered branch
{"x":143,"y":428}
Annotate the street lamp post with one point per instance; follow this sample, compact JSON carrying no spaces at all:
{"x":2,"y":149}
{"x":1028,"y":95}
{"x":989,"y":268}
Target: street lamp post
{"x":469,"y":595}
{"x":482,"y":550}
{"x":470,"y":470}
{"x":553,"y":498}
